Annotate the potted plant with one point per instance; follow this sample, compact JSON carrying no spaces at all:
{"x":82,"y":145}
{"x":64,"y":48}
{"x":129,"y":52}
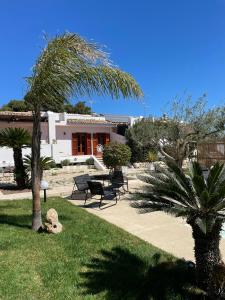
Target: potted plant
{"x":151,"y":158}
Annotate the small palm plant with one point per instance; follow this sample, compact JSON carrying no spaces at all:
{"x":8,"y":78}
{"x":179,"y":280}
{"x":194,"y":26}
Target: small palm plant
{"x":202,"y":202}
{"x":17,"y":138}
{"x":45,"y":163}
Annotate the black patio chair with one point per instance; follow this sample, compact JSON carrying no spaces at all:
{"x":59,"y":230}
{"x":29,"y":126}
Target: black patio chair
{"x":107,"y":193}
{"x":118,"y":180}
{"x":80,"y":184}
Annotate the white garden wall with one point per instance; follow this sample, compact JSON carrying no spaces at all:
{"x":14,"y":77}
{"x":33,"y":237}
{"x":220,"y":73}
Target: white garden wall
{"x":6,"y":154}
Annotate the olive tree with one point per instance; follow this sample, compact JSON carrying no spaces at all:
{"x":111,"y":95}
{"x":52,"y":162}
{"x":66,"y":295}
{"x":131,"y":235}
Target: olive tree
{"x":176,"y":134}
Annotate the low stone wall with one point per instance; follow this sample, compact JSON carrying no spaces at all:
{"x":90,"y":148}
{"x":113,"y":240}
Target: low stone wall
{"x":141,"y":165}
{"x":68,"y":170}
{"x":150,"y":166}
{"x":9,"y":177}
{"x":6,"y":177}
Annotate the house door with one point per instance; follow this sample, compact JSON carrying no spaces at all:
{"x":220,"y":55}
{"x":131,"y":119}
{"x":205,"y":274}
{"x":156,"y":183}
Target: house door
{"x":80,"y":143}
{"x":99,"y":141}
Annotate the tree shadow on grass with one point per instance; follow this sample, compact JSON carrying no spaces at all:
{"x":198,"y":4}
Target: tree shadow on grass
{"x":123,"y":275}
{"x":21,"y":221}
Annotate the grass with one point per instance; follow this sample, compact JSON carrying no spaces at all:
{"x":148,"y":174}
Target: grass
{"x":90,"y":259}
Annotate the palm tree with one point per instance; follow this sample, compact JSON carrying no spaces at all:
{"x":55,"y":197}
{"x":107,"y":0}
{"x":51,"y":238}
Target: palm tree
{"x":201,"y":201}
{"x":17,"y":138}
{"x":69,"y":65}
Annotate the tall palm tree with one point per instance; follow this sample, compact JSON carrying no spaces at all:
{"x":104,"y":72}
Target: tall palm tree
{"x":69,"y":65}
{"x":201,"y":201}
{"x":17,"y":138}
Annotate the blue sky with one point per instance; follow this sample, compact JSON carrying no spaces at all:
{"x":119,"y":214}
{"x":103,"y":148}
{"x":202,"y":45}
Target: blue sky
{"x":170,"y":47}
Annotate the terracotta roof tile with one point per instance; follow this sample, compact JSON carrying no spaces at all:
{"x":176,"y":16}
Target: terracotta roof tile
{"x":15,"y":114}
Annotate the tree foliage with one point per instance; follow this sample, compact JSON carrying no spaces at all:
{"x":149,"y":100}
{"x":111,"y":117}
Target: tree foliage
{"x":69,"y":66}
{"x":201,"y":201}
{"x":20,"y":106}
{"x":140,"y":140}
{"x":174,"y":135}
{"x":116,"y":155}
{"x":79,"y":108}
{"x":16,"y":106}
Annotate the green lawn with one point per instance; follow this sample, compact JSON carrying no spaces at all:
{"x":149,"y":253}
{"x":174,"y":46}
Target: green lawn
{"x":90,"y":259}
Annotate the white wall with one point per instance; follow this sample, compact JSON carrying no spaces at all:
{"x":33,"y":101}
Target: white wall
{"x":52,"y":117}
{"x":6,"y":154}
{"x":63,"y":146}
{"x":122,"y":118}
{"x":6,"y":157}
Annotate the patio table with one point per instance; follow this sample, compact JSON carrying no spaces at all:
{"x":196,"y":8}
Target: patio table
{"x":101,"y":177}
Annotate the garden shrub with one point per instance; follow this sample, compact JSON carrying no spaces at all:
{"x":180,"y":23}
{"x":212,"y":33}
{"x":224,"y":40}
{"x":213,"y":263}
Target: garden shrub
{"x":138,"y":152}
{"x":65,"y":162}
{"x":116,"y":155}
{"x":90,"y":161}
{"x":151,"y":156}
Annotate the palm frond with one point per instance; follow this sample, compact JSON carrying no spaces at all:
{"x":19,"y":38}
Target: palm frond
{"x":214,"y":176}
{"x":199,"y":184}
{"x":184,"y":181}
{"x":45,"y":162}
{"x":70,"y":65}
{"x":167,"y":186}
{"x":173,"y":192}
{"x":15,"y":138}
{"x":195,"y":169}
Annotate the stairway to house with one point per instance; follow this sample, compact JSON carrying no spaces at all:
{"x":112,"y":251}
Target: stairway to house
{"x":99,"y":163}
{"x":100,"y":159}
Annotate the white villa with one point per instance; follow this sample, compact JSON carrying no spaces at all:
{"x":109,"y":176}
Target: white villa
{"x":69,"y":136}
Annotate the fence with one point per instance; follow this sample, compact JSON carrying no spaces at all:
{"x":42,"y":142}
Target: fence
{"x":209,"y":153}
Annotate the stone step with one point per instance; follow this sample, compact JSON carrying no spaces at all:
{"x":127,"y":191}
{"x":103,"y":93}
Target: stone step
{"x":100,"y":159}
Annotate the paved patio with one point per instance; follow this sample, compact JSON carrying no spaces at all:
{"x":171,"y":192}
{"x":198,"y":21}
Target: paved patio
{"x":166,"y":232}
{"x":59,"y":191}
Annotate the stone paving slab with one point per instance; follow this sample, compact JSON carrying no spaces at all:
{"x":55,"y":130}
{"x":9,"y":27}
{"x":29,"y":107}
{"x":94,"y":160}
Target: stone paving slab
{"x":164,"y":231}
{"x":59,"y":191}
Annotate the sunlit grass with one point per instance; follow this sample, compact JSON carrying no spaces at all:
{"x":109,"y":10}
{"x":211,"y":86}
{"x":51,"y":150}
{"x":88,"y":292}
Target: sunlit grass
{"x":90,"y":259}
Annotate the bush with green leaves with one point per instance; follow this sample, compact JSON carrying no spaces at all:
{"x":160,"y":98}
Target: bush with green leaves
{"x":139,"y":151}
{"x":151,"y":156}
{"x":90,"y":161}
{"x":116,"y":155}
{"x":65,"y":162}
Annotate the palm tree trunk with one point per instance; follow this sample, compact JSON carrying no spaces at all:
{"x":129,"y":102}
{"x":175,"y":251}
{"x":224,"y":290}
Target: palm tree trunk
{"x":35,"y":171}
{"x":179,"y":162}
{"x":20,"y":174}
{"x":180,"y":154}
{"x":207,"y":256}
